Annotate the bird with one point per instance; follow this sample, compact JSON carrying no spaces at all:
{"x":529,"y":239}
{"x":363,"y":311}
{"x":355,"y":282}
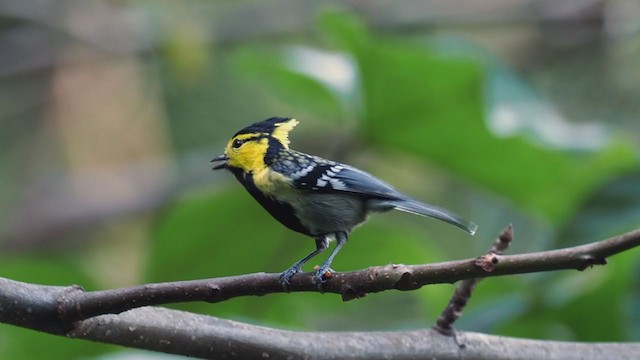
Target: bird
{"x":317,"y":197}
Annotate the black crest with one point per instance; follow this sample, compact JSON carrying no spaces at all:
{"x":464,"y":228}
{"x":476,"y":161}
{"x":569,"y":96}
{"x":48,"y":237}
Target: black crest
{"x":266,"y":126}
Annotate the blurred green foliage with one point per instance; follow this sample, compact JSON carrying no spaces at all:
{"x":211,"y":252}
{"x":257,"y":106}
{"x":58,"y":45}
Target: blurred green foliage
{"x":416,"y":117}
{"x":415,"y":102}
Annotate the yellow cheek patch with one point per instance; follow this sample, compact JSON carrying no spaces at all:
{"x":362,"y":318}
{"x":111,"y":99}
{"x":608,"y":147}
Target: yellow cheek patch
{"x":282,"y":130}
{"x":250,"y":156}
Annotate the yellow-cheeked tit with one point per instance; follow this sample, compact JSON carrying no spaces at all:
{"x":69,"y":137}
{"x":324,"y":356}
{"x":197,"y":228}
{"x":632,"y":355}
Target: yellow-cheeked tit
{"x":317,"y":197}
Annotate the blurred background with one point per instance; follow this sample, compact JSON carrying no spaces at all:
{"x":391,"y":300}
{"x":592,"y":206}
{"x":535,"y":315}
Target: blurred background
{"x":504,"y":111}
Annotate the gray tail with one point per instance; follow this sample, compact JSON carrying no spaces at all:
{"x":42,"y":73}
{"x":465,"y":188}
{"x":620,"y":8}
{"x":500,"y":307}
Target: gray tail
{"x":418,"y":208}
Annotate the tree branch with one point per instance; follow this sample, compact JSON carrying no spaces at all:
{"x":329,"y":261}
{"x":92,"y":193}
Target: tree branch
{"x":78,"y":305}
{"x":72,"y":303}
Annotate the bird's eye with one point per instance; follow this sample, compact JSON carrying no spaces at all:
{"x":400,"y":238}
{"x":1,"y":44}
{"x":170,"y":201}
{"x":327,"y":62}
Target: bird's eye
{"x":237,"y":143}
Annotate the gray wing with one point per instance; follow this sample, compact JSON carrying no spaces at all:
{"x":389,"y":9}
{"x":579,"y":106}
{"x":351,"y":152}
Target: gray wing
{"x":327,"y":175}
{"x":321,"y":175}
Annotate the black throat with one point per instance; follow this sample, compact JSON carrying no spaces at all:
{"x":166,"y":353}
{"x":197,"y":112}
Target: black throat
{"x":282,"y":212}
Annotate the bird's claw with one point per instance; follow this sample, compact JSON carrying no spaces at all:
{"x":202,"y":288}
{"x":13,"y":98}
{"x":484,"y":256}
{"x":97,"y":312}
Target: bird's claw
{"x":319,"y":276}
{"x":285,"y":277}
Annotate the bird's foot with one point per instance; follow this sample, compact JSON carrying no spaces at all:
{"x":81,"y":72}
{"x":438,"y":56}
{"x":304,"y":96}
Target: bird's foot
{"x":322,"y":273}
{"x":285,"y":277}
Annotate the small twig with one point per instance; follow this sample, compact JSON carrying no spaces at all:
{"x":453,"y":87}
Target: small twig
{"x":463,"y":292}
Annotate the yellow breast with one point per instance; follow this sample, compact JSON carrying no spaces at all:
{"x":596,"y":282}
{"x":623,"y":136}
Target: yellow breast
{"x":271,"y":182}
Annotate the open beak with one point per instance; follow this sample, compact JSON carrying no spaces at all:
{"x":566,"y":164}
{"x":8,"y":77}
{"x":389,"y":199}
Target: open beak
{"x":222,"y":165}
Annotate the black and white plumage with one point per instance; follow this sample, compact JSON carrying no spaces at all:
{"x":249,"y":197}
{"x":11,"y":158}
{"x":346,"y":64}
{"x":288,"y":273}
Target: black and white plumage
{"x":314,"y":174}
{"x":311,"y":195}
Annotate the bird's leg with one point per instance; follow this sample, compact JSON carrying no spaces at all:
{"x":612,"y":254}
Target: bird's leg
{"x":341,"y":239}
{"x":321,"y":245}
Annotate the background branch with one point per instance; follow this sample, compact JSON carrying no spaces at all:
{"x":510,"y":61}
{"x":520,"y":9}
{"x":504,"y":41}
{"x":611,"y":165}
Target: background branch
{"x":64,"y":310}
{"x":208,"y":337}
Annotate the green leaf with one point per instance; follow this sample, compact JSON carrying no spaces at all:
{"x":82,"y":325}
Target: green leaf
{"x":432,"y":105}
{"x":600,"y":311}
{"x":215,"y":235}
{"x":592,"y":305}
{"x":270,"y":71}
{"x":613,"y":208}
